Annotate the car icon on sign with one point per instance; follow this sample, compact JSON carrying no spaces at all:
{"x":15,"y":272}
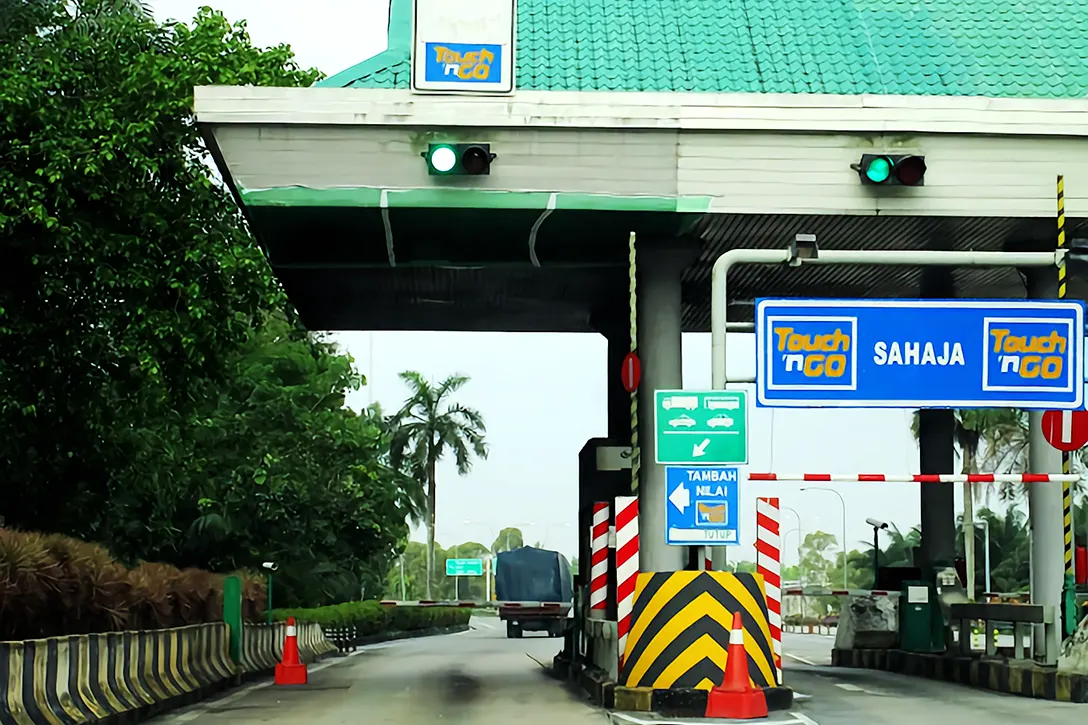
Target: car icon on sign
{"x":720,"y":421}
{"x":683,"y":421}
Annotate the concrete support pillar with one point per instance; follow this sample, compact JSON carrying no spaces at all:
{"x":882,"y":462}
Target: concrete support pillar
{"x":1045,"y":508}
{"x":659,"y":269}
{"x":937,"y":454}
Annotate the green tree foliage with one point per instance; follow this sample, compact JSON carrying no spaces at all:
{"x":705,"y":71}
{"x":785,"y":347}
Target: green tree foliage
{"x":412,"y":584}
{"x":156,"y":392}
{"x":815,"y":564}
{"x":508,"y":539}
{"x":429,"y":425}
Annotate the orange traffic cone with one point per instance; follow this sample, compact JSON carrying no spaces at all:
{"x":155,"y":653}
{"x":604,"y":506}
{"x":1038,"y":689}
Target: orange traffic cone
{"x":736,"y":698}
{"x":291,"y":671}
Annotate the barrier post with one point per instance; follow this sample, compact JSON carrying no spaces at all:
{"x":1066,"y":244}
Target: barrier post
{"x":232,"y":615}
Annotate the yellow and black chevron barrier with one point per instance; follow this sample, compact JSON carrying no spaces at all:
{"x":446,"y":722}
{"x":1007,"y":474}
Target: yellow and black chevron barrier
{"x":679,"y":641}
{"x":680,"y":630}
{"x":88,"y":678}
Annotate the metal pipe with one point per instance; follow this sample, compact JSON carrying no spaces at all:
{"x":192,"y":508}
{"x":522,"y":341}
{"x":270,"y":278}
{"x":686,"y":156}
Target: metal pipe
{"x":719,"y":296}
{"x":985,"y":524}
{"x":842,"y":502}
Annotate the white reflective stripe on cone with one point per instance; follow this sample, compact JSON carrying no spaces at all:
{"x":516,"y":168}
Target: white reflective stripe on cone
{"x":291,"y":632}
{"x":736,"y":637}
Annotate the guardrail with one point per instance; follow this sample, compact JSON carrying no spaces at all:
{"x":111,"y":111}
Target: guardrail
{"x":1020,"y":616}
{"x":91,"y":677}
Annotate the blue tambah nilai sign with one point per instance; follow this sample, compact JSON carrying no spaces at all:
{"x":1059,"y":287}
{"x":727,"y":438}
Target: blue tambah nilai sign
{"x":701,"y":507}
{"x":920,"y":353}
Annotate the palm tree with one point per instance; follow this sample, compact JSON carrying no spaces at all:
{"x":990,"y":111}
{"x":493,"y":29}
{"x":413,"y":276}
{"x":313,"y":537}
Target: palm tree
{"x":426,"y":427}
{"x":1001,"y":433}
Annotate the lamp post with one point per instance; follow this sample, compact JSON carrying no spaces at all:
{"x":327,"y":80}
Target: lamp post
{"x":800,"y":574}
{"x":877,"y":526}
{"x":985,"y":524}
{"x":842,"y":503}
{"x":269,"y":567}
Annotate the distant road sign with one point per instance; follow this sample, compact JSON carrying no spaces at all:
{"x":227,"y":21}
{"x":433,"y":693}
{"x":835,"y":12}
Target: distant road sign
{"x":464,"y":567}
{"x":1066,"y":430}
{"x":702,"y":509}
{"x":704,"y":428}
{"x":920,"y":353}
{"x":631,"y":372}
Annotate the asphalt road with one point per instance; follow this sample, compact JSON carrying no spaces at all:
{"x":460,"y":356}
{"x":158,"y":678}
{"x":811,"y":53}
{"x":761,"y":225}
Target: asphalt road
{"x":481,"y":678}
{"x":476,"y":677}
{"x":869,"y":697}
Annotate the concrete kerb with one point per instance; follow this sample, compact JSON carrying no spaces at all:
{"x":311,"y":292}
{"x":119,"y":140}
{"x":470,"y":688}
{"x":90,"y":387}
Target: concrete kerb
{"x":676,"y":702}
{"x":1025,"y":680}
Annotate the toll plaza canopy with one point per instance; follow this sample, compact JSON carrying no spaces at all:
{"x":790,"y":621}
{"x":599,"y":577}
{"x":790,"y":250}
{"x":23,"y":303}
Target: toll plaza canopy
{"x":712,"y":123}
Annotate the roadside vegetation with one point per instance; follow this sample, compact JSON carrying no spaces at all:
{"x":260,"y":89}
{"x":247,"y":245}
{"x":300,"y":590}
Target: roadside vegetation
{"x":159,"y":397}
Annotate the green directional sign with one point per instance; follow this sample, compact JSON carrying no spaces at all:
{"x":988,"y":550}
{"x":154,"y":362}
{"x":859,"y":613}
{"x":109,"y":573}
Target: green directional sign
{"x":464,"y":567}
{"x":701,"y":428}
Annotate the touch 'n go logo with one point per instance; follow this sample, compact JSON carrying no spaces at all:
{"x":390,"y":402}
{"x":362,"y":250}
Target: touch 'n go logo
{"x":1028,"y":355}
{"x":809,"y":353}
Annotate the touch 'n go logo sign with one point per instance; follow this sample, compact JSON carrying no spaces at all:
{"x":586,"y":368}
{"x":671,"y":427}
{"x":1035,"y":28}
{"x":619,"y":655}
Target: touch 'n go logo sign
{"x":813,"y":353}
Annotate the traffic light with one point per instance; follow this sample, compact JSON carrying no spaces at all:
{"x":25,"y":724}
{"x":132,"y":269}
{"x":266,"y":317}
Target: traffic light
{"x":892,"y":170}
{"x":458,"y":159}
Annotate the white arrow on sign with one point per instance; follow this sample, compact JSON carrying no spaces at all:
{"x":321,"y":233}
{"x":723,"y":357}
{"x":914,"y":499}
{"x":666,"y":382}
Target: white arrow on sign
{"x":680,"y":497}
{"x":699,"y":449}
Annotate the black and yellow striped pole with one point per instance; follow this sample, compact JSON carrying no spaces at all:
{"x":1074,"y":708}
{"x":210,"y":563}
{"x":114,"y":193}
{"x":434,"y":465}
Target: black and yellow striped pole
{"x":636,"y":464}
{"x":1067,"y":486}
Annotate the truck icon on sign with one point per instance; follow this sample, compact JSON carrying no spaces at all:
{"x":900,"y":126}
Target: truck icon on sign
{"x":683,"y":402}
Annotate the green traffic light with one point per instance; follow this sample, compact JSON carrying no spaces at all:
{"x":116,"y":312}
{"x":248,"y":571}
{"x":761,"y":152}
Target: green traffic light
{"x":879,"y":170}
{"x":442,"y":158}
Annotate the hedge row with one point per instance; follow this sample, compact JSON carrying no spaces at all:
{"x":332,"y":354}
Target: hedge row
{"x":370,"y":617}
{"x":53,"y":585}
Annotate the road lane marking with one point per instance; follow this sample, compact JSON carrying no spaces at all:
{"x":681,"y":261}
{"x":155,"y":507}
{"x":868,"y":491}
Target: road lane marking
{"x":486,"y":624}
{"x":800,"y":659}
{"x":803,"y":718}
{"x":631,"y":719}
{"x":848,"y":687}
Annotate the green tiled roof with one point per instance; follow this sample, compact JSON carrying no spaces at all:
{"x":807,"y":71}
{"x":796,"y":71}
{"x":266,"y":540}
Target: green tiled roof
{"x":908,"y":47}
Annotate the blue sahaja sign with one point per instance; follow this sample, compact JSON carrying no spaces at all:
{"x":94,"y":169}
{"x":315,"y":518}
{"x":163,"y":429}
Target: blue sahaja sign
{"x":920,"y":353}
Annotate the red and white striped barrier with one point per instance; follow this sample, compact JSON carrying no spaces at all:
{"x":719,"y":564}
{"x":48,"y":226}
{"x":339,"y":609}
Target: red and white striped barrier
{"x":919,"y":477}
{"x":769,"y":566}
{"x":473,"y":605}
{"x":598,"y":567}
{"x":626,"y":566}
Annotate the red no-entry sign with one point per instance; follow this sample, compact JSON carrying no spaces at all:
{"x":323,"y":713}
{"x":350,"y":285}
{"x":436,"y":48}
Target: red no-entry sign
{"x":631,"y":372}
{"x":1066,"y":430}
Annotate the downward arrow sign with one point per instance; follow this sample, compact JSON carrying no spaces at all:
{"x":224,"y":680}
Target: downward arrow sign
{"x":700,"y":448}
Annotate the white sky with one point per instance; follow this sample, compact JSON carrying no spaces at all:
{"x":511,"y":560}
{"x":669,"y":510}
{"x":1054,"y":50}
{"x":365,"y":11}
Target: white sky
{"x":543,"y":396}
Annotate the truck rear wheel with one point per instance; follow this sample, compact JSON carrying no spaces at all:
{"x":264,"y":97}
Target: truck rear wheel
{"x":513,"y":630}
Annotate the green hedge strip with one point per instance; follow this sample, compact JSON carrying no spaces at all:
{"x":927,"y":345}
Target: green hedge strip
{"x":370,"y":617}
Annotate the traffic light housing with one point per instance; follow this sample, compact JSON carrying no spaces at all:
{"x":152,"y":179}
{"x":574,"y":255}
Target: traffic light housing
{"x":892,"y":170}
{"x":458,"y":159}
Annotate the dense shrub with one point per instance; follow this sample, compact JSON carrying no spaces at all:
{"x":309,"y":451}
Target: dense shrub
{"x":55,"y":585}
{"x":371,"y":618}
